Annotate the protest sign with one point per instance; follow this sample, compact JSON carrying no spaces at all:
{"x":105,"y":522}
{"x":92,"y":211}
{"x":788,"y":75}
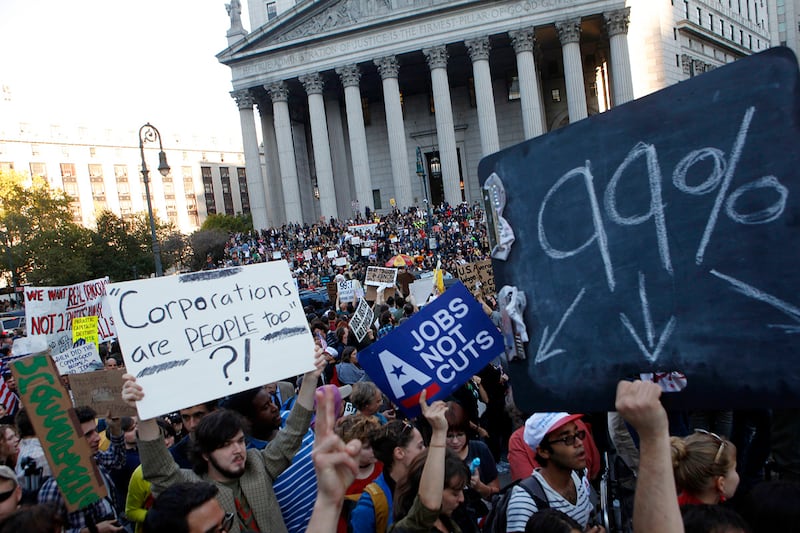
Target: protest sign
{"x":84,"y":328}
{"x":307,"y":255}
{"x":220,"y":331}
{"x":361,"y":320}
{"x":478,"y":277}
{"x":380,"y":276}
{"x":29,"y":345}
{"x":355,"y":241}
{"x":49,"y":312}
{"x":348,"y":289}
{"x":437,"y":349}
{"x":332,"y":254}
{"x":363,"y":228}
{"x":276,"y":255}
{"x":365,"y":252}
{"x":331,"y":288}
{"x":102,"y":391}
{"x":652,"y":239}
{"x":421,"y":289}
{"x":340,"y":261}
{"x":81,"y":358}
{"x":50,"y":411}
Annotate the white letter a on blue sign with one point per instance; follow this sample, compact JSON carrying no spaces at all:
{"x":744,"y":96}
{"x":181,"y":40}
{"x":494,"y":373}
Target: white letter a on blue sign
{"x":399,"y":373}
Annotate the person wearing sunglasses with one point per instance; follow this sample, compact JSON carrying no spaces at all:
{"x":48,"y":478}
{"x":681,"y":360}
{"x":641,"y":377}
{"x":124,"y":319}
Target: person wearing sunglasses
{"x":558,"y":444}
{"x":704,"y":465}
{"x":10,"y":492}
{"x":189,"y":507}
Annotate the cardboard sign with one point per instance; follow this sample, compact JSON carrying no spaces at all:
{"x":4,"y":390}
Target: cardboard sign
{"x":81,"y":358}
{"x":355,"y":241}
{"x":438,"y":349}
{"x":652,"y":238}
{"x":380,"y":277}
{"x":332,"y":254}
{"x":349,"y":289}
{"x":307,"y":255}
{"x":29,"y":345}
{"x":331,"y":288}
{"x":101,"y":390}
{"x":84,"y":328}
{"x":49,"y":312}
{"x":276,"y":256}
{"x":340,"y":261}
{"x":365,"y":252}
{"x":48,"y":405}
{"x":478,"y":277}
{"x":210,"y":334}
{"x":361,"y":320}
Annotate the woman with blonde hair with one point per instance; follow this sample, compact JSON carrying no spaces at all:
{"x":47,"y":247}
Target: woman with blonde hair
{"x":704,"y":465}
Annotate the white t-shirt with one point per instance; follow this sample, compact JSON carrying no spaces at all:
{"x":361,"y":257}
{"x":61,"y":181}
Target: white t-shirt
{"x":521,"y":506}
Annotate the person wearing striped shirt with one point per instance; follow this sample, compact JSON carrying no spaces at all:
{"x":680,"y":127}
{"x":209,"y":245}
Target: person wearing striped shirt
{"x":559,"y":450}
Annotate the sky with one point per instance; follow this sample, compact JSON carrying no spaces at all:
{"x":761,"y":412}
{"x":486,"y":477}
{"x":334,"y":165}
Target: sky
{"x":116,"y":64}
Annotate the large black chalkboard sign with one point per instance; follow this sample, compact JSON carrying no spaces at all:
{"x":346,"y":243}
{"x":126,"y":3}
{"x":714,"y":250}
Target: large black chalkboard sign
{"x":662,"y":235}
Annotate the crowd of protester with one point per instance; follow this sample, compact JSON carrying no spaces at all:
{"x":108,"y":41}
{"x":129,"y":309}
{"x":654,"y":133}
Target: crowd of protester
{"x":327,"y":451}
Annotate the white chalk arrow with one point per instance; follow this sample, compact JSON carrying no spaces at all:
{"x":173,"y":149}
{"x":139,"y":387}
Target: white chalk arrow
{"x":751,"y":292}
{"x":655,"y":348}
{"x":543,"y":352}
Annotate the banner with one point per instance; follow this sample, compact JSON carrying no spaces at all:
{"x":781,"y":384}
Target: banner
{"x":437,"y":349}
{"x":101,"y":391}
{"x":210,"y":334}
{"x":49,"y":312}
{"x":48,"y":405}
{"x":81,"y":358}
{"x":362,"y":319}
{"x":363,"y":228}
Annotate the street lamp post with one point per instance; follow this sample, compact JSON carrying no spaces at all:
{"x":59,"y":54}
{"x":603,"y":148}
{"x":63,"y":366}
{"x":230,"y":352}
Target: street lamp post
{"x":149,"y":133}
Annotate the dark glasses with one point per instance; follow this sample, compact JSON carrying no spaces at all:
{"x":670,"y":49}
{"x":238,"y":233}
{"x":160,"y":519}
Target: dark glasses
{"x":716,"y":437}
{"x":7,"y":494}
{"x":569,"y":440}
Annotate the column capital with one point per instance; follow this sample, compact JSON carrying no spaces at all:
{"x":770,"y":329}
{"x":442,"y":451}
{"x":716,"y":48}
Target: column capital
{"x":389,"y":67}
{"x":350,"y":75}
{"x":278,"y":91}
{"x":436,"y":57}
{"x":478,"y":48}
{"x":569,"y":31}
{"x":312,"y":82}
{"x":617,"y":21}
{"x":523,"y":40}
{"x":244,"y":98}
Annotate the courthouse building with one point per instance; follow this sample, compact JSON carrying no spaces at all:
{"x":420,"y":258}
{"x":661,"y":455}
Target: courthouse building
{"x":345,"y":92}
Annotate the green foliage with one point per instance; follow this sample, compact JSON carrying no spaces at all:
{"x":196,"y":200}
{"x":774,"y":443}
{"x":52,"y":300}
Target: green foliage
{"x":240,"y":223}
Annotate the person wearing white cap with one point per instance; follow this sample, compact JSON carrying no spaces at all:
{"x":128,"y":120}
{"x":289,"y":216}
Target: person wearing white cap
{"x":558,"y":444}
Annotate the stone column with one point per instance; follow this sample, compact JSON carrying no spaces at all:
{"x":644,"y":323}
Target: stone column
{"x":569,"y":33}
{"x":270,"y":170}
{"x":621,"y":79}
{"x":252,"y":159}
{"x":484,"y":94}
{"x":445,"y":131}
{"x":351,"y":76}
{"x":389,"y":69}
{"x":530,"y":92}
{"x":279,"y":93}
{"x":321,"y":145}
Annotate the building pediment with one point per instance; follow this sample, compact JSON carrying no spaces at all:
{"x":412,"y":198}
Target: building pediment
{"x":323,"y":19}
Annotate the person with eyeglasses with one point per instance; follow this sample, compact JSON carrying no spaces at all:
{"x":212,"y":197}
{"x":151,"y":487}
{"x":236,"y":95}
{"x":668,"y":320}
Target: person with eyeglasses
{"x":558,"y":444}
{"x":704,"y":465}
{"x":189,"y":507}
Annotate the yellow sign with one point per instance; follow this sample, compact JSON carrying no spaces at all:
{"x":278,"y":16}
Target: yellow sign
{"x":85,"y":327}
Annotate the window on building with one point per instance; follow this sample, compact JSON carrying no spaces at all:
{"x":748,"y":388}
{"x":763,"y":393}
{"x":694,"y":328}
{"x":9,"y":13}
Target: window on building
{"x":38,"y":169}
{"x":241,"y":174}
{"x":208,"y":189}
{"x":227,"y":197}
{"x":121,"y":172}
{"x":699,"y":16}
{"x":513,"y":88}
{"x":376,"y":198}
{"x":711,"y":21}
{"x":272,"y":10}
{"x":98,"y":190}
{"x":35,"y":150}
{"x":68,"y":170}
{"x":95,"y":172}
{"x":92,"y":151}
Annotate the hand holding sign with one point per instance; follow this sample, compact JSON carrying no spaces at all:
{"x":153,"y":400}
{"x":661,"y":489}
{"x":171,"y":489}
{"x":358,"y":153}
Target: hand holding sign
{"x":433,"y":413}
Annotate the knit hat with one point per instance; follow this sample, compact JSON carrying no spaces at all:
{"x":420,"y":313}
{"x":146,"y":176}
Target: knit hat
{"x":540,"y":424}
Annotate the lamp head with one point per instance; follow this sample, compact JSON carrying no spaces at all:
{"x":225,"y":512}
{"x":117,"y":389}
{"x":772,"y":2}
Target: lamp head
{"x":163,"y":167}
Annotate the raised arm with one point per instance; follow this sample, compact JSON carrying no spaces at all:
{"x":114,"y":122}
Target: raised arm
{"x":655,"y":507}
{"x":432,"y":481}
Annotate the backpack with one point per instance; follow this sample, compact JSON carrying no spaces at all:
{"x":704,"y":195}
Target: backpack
{"x":496,"y":520}
{"x":381,"y":505}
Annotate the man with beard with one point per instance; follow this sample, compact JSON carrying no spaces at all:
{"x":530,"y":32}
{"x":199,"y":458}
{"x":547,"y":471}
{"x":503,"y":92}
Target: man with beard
{"x":244,"y":477}
{"x":559,"y":450}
